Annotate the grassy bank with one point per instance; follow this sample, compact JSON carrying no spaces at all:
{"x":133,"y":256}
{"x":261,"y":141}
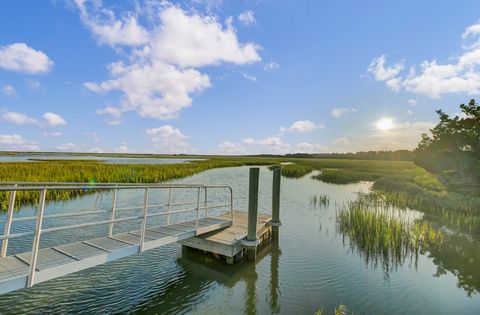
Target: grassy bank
{"x":93,"y":171}
{"x":403,"y":183}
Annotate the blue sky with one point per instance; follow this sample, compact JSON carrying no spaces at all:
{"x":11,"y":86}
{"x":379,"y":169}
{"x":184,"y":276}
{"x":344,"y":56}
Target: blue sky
{"x":232,"y":77}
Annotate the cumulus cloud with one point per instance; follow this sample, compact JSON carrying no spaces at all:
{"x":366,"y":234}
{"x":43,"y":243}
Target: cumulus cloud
{"x":50,"y":119}
{"x":8,"y":90}
{"x":168,"y":139}
{"x":433,"y":78}
{"x":123,"y":148}
{"x":412,"y":102}
{"x":342,"y":111}
{"x":21,"y":58}
{"x":19,"y":119}
{"x":230,"y":148}
{"x":247,"y":18}
{"x":16,"y":142}
{"x":306,"y":147}
{"x":109,"y":30}
{"x":54,"y":120}
{"x":68,"y":147}
{"x":161,"y":71}
{"x":302,"y":126}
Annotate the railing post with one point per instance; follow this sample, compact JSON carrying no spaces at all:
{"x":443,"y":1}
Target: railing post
{"x":206,"y":203}
{"x":198,"y":208}
{"x":169,"y":205}
{"x":8,"y":222}
{"x":36,"y":238}
{"x":144,"y":222}
{"x":276,"y":223}
{"x":231,"y":204}
{"x":252,"y":213}
{"x":114,"y":206}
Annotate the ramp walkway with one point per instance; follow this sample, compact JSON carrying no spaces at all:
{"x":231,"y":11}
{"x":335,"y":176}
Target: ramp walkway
{"x":177,"y":221}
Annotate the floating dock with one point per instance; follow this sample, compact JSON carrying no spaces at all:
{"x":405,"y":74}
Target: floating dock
{"x":228,"y":242}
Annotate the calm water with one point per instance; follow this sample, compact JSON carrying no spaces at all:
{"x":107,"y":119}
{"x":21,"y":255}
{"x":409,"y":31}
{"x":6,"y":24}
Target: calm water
{"x":310,"y":268}
{"x":106,"y":159}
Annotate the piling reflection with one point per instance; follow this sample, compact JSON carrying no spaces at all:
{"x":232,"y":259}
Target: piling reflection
{"x":202,"y":271}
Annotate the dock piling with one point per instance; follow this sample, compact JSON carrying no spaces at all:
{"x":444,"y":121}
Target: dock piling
{"x":276,"y":223}
{"x":252,"y":213}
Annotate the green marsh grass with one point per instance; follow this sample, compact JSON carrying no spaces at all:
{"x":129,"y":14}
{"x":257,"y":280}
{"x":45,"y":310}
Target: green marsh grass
{"x":320,"y":200}
{"x":93,"y":171}
{"x":383,"y":236}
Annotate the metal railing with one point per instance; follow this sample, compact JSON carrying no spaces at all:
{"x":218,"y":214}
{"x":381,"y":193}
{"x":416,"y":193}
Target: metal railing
{"x":44,"y":187}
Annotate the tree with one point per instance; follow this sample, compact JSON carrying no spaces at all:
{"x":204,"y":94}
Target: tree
{"x":454,"y":144}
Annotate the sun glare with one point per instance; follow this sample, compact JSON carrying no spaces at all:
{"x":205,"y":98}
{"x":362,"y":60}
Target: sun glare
{"x":384,"y":124}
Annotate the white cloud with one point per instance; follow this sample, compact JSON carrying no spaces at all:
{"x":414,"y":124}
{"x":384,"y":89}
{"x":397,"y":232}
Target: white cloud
{"x":195,"y":41}
{"x":109,"y":30}
{"x":305,"y":147}
{"x":161,"y":74}
{"x":266,"y":145}
{"x":388,"y":74}
{"x":302,"y":126}
{"x":68,"y":147}
{"x":460,"y":75}
{"x":412,"y":102}
{"x":16,"y":142}
{"x":170,"y":140}
{"x":8,"y":90}
{"x":342,"y":141}
{"x":247,"y":18}
{"x":249,"y":77}
{"x":19,"y":119}
{"x":339,"y":112}
{"x":52,"y":134}
{"x":409,"y":112}
{"x":21,"y":58}
{"x":271,"y":66}
{"x":54,"y":120}
{"x":123,"y":149}
{"x":229,"y":148}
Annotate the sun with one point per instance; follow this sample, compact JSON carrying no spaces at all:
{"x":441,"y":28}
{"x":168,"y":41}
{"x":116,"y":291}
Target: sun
{"x":384,"y":124}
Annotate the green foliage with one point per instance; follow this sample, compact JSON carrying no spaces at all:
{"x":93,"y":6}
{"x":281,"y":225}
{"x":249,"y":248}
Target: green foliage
{"x":453,"y":149}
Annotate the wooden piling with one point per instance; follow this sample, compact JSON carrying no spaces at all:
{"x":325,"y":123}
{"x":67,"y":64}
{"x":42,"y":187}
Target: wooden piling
{"x":276,"y":202}
{"x":252,"y":212}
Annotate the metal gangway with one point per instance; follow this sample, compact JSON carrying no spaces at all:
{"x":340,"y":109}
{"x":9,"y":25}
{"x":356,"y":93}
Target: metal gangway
{"x":160,"y":224}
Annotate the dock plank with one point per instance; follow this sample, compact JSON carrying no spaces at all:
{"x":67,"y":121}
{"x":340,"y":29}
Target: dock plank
{"x":68,"y":258}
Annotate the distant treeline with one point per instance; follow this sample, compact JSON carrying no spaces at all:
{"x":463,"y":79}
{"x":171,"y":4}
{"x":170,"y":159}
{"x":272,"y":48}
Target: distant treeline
{"x":398,"y":155}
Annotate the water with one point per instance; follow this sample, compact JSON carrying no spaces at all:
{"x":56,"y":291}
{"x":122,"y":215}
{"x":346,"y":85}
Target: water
{"x":310,"y":268}
{"x":104,"y":159}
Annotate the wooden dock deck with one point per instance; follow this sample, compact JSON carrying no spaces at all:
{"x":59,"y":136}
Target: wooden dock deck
{"x":228,"y":241}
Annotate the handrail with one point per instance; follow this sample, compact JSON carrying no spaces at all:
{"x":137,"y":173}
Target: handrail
{"x":43,"y":188}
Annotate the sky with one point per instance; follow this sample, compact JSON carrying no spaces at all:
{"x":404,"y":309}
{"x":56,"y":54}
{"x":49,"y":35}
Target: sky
{"x":232,"y":77}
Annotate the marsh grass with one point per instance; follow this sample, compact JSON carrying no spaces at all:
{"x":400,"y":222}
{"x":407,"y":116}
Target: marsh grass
{"x":321,"y":200}
{"x":87,"y":171}
{"x":382,"y":236}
